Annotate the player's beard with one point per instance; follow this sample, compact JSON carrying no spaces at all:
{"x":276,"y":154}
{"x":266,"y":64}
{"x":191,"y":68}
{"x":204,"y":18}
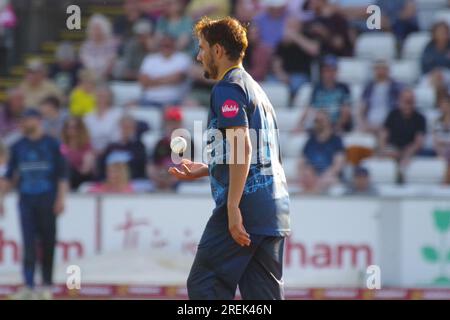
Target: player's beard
{"x":211,"y":70}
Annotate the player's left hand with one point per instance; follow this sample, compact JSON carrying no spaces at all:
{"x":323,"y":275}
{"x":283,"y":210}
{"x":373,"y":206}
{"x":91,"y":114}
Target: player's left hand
{"x":58,"y":208}
{"x":236,"y":227}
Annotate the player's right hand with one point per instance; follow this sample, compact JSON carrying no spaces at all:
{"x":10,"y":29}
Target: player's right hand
{"x":236,"y":227}
{"x":189,"y":170}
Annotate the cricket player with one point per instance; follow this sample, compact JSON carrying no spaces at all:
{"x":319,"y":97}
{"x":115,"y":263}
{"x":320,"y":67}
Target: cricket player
{"x":38,"y":166}
{"x":242,"y":244}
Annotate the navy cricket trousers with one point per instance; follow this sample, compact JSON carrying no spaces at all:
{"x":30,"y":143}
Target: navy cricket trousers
{"x":221,"y":265}
{"x":38,"y":223}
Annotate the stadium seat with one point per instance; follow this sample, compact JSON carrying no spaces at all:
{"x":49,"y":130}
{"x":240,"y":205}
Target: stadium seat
{"x":290,"y":166}
{"x":356,"y":91}
{"x":353,"y":71}
{"x":288,"y":118}
{"x":360,"y":139}
{"x":303,"y":96}
{"x":292,"y":145}
{"x":431,"y":115}
{"x":382,"y":170}
{"x":405,"y":71}
{"x":425,"y":97}
{"x":125,"y":92}
{"x":278,"y":94}
{"x":414,"y":45}
{"x":149,"y":139}
{"x":152,"y":116}
{"x":376,"y":45}
{"x":426,"y":10}
{"x":442,"y":16}
{"x":191,"y":114}
{"x":426,"y":170}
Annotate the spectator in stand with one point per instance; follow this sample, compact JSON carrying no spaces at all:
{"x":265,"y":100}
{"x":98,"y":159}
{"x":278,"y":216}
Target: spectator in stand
{"x":175,"y":23}
{"x":322,"y":158}
{"x":136,"y":49}
{"x":123,"y":25}
{"x":64,"y":72}
{"x":332,"y":96}
{"x":127,"y":143}
{"x":294,"y":56}
{"x":436,"y":59}
{"x":361,"y":185}
{"x":8,"y":22}
{"x":163,"y":75}
{"x":53,"y":117}
{"x":258,"y":56}
{"x":153,"y":8}
{"x":98,"y":51}
{"x":403,"y":134}
{"x":379,"y":97}
{"x":161,"y":159}
{"x":246,"y":10}
{"x":82,"y":98}
{"x":77,"y":150}
{"x":271,"y":21}
{"x":399,"y":16}
{"x":117,"y":175}
{"x":10,"y":116}
{"x":103,"y":122}
{"x":215,"y":9}
{"x":37,"y":86}
{"x":300,"y":9}
{"x":441,"y":134}
{"x":330,"y":28}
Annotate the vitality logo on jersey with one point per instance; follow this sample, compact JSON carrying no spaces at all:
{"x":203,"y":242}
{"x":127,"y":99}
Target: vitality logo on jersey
{"x":230,"y":108}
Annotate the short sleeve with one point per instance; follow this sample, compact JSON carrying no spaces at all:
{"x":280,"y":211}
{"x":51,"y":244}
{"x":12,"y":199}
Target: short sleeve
{"x":230,"y":105}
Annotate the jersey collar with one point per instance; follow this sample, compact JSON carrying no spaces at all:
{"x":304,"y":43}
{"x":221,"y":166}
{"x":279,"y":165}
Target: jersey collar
{"x":229,"y":69}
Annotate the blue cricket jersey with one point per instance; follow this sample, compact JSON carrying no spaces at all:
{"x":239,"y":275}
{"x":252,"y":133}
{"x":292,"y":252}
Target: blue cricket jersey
{"x":237,"y":100}
{"x":39,"y":165}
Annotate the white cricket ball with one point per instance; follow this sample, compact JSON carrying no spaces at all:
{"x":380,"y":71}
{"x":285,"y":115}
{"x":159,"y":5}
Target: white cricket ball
{"x":178,"y":144}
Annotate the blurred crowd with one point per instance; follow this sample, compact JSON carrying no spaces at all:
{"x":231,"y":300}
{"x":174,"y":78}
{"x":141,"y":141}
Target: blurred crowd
{"x":293,"y":42}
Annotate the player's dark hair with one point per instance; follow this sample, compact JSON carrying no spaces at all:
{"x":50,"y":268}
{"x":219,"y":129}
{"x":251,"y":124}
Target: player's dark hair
{"x":227,"y":32}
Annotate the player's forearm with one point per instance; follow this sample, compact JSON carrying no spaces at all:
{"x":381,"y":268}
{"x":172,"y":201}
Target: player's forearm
{"x":63,"y":186}
{"x":238,"y":171}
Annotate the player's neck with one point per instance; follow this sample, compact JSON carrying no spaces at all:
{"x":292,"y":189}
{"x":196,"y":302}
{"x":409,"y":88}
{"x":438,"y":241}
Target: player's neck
{"x":36,"y":135}
{"x":227,"y":66}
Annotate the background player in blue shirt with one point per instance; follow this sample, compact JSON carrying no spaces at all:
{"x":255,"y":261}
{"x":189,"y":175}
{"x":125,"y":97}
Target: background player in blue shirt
{"x":243,"y":242}
{"x":39,"y":169}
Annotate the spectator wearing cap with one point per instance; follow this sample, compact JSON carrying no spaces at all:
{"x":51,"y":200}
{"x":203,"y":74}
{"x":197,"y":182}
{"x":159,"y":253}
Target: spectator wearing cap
{"x":403,"y":133}
{"x":99,"y":51}
{"x":294,"y":55}
{"x":331,"y":96}
{"x":10,"y":115}
{"x":360,"y":184}
{"x":175,"y":22}
{"x":271,"y":22}
{"x":37,"y":164}
{"x":53,"y":116}
{"x":77,"y":150}
{"x":163,"y":75}
{"x":441,"y":134}
{"x":215,"y":9}
{"x":117,"y":175}
{"x":379,"y":97}
{"x":136,"y":49}
{"x":161,"y":159}
{"x":82,"y":99}
{"x":322,"y":157}
{"x":103,"y":122}
{"x":64,"y":71}
{"x":330,"y":28}
{"x":129,"y":143}
{"x":36,"y":86}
